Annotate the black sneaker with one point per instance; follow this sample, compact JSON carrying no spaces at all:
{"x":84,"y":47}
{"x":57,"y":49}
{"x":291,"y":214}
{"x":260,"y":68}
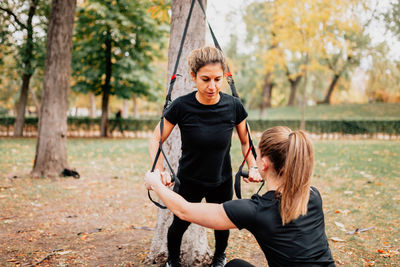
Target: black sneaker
{"x":219,"y":260}
{"x":171,"y":263}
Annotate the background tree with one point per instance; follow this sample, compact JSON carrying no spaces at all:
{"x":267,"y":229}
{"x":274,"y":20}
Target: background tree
{"x":392,"y":18}
{"x":195,"y":250}
{"x":256,"y":13}
{"x":383,"y":83}
{"x":27,"y":19}
{"x":115,"y":42}
{"x":51,"y":151}
{"x":291,"y":37}
{"x":344,"y":44}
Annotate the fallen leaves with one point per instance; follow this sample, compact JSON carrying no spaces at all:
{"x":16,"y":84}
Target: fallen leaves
{"x":386,"y":253}
{"x":356,"y":231}
{"x":336,"y":239}
{"x":143,"y":228}
{"x":341,"y":226}
{"x":345,"y":212}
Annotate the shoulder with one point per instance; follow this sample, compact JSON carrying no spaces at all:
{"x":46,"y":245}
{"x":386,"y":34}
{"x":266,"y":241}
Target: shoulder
{"x":242,"y":212}
{"x":231,"y":98}
{"x":315,"y":198}
{"x":184,"y":98}
{"x":314,"y":193}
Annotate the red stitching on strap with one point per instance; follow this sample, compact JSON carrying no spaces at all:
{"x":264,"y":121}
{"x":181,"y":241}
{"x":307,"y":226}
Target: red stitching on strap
{"x":247,"y":154}
{"x":228,"y":74}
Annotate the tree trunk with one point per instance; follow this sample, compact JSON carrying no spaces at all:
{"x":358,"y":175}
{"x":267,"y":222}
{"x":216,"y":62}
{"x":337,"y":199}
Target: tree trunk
{"x":23,"y":99}
{"x":106,"y":87}
{"x":194,"y":249}
{"x":332,"y":86}
{"x":266,"y":94}
{"x":35,"y":101}
{"x":135,"y":107}
{"x":28,"y":71}
{"x":293,"y":90}
{"x":92,"y":105}
{"x":124,"y":108}
{"x":51,"y":151}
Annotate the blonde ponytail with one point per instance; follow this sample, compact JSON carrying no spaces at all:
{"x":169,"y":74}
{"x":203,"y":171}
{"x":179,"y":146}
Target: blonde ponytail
{"x":292,"y":155}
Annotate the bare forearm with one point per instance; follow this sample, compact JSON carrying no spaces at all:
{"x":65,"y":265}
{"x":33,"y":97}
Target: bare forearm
{"x":174,"y":202}
{"x":250,"y":159}
{"x":206,"y":214}
{"x":153,"y":148}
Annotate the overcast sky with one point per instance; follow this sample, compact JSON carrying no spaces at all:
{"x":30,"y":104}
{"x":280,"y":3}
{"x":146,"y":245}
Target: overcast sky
{"x":224,"y":25}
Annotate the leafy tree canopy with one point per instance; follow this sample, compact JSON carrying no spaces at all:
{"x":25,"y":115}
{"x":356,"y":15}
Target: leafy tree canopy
{"x":136,"y":40}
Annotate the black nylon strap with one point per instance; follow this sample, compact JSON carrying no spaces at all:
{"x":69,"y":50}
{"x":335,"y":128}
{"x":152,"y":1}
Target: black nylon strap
{"x":178,"y":57}
{"x":167,"y":102}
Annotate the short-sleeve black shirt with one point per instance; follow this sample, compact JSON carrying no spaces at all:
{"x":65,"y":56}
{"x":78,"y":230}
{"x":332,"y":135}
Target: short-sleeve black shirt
{"x":302,"y":242}
{"x":206,"y":134}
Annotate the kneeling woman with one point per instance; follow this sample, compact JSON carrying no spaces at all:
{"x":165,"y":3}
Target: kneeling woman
{"x":287,"y":221}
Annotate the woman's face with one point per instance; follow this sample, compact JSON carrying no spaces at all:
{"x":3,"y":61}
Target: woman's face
{"x":208,"y":81}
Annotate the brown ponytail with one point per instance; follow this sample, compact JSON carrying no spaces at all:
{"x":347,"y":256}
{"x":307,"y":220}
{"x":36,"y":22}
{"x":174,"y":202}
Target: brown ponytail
{"x":292,"y":155}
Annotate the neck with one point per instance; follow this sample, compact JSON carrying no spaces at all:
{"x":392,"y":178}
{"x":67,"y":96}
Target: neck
{"x":207,"y":101}
{"x":273,"y":182}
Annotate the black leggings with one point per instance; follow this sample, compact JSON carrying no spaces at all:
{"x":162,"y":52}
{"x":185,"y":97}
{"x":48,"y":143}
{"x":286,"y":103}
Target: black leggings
{"x":238,"y":263}
{"x":195,"y":193}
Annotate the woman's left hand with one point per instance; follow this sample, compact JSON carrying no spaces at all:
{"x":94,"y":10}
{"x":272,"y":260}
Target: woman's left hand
{"x":153,"y":179}
{"x":254,"y":176}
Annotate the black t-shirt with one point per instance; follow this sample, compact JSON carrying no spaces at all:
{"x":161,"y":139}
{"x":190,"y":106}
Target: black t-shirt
{"x":302,"y":242}
{"x":206,"y":133}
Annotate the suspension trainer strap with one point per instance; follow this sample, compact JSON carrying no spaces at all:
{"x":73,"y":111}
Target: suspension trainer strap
{"x":167,"y":103}
{"x":178,"y":57}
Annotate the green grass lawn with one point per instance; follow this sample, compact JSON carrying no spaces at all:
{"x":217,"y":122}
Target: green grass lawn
{"x":344,"y":111}
{"x":359,"y":182}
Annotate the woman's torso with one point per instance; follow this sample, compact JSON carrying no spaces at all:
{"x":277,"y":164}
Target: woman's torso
{"x":206,"y":133}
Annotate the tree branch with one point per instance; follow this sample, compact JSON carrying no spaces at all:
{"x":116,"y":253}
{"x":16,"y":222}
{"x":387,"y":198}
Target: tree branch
{"x":11,"y":14}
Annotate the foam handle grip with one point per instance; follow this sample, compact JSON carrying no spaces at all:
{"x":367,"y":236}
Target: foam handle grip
{"x":244,"y":173}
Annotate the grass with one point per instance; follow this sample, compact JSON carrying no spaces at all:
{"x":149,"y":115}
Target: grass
{"x":332,"y":112}
{"x":359,"y":182}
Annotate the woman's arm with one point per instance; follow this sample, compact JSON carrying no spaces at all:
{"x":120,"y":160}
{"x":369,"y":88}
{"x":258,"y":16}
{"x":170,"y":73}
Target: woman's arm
{"x":254,"y":175}
{"x":154,"y":142}
{"x":205,"y":214}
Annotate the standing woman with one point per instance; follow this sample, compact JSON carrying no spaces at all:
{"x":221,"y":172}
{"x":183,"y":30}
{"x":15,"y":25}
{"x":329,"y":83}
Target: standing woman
{"x":206,"y":119}
{"x":287,"y":221}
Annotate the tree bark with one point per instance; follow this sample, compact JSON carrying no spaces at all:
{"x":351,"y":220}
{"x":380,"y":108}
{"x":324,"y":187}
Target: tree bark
{"x":124,"y":108}
{"x":51,"y":151}
{"x":331,"y":88}
{"x":35,"y":101}
{"x":194,"y":249}
{"x":266,"y":95}
{"x":28,"y":71}
{"x":23,"y":99}
{"x":106,"y":87}
{"x":293,"y":89}
{"x":92,"y":105}
{"x":135,"y":107}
